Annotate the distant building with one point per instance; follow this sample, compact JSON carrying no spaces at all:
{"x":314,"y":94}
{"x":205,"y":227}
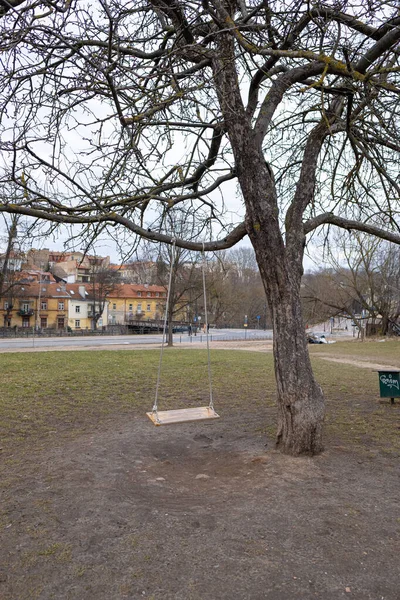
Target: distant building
{"x":15,"y":260}
{"x":138,"y":272}
{"x":42,"y":304}
{"x":82,"y":308}
{"x":70,"y":267}
{"x":65,"y":297}
{"x":131,"y":302}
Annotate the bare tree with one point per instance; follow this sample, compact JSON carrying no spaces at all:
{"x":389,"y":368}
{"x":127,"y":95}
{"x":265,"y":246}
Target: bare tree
{"x":145,"y":103}
{"x":9,"y":269}
{"x":236,"y":291}
{"x":362,"y":282}
{"x":103,"y":281}
{"x":330,"y":293}
{"x":316,"y":292}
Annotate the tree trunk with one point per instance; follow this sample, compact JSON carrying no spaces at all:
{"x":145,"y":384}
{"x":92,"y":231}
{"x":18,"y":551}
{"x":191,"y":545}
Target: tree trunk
{"x":170,"y":333}
{"x":300,"y":399}
{"x":385,"y":324}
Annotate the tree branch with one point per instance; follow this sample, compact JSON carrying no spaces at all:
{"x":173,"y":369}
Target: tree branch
{"x":349,"y":225}
{"x":228,"y":241}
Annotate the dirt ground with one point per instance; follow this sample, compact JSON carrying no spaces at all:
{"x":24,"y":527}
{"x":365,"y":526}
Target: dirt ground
{"x":198,"y":511}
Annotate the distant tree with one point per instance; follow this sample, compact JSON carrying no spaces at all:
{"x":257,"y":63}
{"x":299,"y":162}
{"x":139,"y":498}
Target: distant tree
{"x":9,"y":273}
{"x":322,"y":296}
{"x":103,"y":281}
{"x":362,"y":282}
{"x":236,"y":289}
{"x":140,"y":271}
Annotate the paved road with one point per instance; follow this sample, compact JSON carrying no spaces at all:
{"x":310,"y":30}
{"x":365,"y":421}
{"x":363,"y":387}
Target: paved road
{"x":118,"y":340}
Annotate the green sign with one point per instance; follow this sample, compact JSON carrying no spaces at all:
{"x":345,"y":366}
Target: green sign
{"x":389,"y":384}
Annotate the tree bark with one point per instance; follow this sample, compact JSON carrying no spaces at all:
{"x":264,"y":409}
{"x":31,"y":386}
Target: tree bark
{"x":300,"y":399}
{"x":385,"y":324}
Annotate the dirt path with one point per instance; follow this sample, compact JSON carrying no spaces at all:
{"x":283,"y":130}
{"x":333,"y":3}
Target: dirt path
{"x":356,"y":363}
{"x":198,"y":512}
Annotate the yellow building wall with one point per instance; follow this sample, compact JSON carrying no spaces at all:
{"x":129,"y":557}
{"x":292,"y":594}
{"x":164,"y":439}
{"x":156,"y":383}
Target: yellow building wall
{"x":52,"y":313}
{"x":125,"y":309}
{"x":17,"y":319}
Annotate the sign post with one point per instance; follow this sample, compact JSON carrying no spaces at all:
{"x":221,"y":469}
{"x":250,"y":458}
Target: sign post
{"x":389,"y":384}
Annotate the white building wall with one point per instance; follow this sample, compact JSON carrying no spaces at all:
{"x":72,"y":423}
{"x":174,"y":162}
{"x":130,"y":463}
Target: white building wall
{"x":81,"y":316}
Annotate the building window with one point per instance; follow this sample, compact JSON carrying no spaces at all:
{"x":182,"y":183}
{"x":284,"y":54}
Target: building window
{"x":139,"y":308}
{"x":149,"y":294}
{"x":157,"y":294}
{"x":131,"y":307}
{"x":6,"y":305}
{"x":61,"y":306}
{"x":148,"y":307}
{"x":25,"y":307}
{"x":25,"y":321}
{"x":77,"y":324}
{"x":43,"y":322}
{"x":139,"y":294}
{"x":114,"y":306}
{"x":44,"y":305}
{"x":60,"y":323}
{"x":77,"y":309}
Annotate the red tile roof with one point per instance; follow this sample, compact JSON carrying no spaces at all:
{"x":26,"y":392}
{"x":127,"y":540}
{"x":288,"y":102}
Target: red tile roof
{"x":130,"y":290}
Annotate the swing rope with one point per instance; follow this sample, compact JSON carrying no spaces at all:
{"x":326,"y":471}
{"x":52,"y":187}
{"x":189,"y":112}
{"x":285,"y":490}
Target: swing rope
{"x":211,"y":403}
{"x":155,"y":405}
{"x":154,"y":412}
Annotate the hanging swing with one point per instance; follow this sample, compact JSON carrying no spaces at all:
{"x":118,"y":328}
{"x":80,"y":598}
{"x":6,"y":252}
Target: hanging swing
{"x":183,"y":415}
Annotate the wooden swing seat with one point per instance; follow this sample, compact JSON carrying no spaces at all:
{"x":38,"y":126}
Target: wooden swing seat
{"x":183,"y":415}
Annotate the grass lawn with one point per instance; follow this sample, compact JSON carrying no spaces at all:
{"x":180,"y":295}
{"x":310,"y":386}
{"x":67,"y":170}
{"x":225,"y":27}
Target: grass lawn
{"x":50,"y":394}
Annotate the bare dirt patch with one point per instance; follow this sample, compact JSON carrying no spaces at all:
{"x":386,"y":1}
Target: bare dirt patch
{"x":198,"y":511}
{"x":364,"y":364}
